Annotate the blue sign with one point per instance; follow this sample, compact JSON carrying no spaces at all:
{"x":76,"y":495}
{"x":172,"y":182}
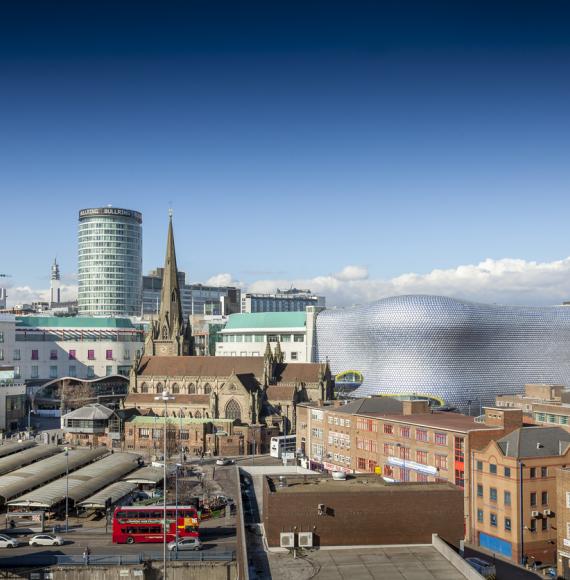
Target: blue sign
{"x":496,"y":545}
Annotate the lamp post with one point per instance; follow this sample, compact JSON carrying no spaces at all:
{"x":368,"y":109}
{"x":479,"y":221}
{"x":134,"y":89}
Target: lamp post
{"x":164,"y":397}
{"x":66,"y":489}
{"x":178,"y":466}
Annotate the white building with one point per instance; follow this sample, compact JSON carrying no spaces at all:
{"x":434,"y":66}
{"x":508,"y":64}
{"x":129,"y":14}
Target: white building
{"x":292,"y":300}
{"x":52,"y":347}
{"x":247,"y":335}
{"x":110,"y":262}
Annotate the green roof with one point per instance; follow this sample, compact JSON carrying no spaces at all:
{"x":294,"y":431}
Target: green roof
{"x":72,"y":322}
{"x":266,"y":320}
{"x":146,"y":420}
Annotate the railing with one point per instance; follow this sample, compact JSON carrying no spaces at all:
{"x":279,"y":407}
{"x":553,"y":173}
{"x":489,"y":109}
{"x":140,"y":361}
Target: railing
{"x":480,"y":419}
{"x":32,"y":560}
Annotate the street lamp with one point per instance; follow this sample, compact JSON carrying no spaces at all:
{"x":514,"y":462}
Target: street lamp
{"x":66,"y":489}
{"x":164,"y":397}
{"x":178,"y":466}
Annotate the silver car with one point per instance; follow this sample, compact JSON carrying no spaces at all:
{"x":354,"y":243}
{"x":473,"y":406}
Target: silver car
{"x":7,"y":542}
{"x":185,"y":544}
{"x":46,"y":540}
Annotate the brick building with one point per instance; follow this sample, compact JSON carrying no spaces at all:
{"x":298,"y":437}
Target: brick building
{"x":514,"y":493}
{"x":563,"y":521}
{"x":402,"y":440}
{"x":362,"y":510}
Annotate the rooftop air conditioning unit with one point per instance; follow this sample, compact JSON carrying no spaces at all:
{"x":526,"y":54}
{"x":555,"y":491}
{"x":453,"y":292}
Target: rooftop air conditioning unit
{"x":535,"y":514}
{"x":287,"y":540}
{"x":547,"y":512}
{"x":305,"y":539}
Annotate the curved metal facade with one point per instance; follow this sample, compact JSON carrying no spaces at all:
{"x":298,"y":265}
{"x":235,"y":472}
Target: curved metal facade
{"x":448,"y":348}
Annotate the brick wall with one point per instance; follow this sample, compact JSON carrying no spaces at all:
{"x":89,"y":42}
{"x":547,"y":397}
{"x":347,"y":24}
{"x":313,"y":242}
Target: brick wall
{"x":394,"y":514}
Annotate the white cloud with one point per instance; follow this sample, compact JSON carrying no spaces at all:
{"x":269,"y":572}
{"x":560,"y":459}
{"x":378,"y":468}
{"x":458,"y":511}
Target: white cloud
{"x":223,"y":279}
{"x":352,"y":273}
{"x":27,"y":295}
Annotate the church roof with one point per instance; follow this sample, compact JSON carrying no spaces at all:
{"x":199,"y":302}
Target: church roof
{"x":277,"y":393}
{"x":138,"y":398}
{"x":302,"y":372}
{"x":199,"y":366}
{"x":266,"y":320}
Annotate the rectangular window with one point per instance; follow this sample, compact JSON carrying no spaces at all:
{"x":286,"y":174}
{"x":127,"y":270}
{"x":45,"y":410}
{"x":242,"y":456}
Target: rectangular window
{"x":16,"y":354}
{"x":493,"y":468}
{"x":508,"y":524}
{"x":53,"y":354}
{"x":72,"y":354}
{"x":90,"y":372}
{"x":459,"y":448}
{"x":533,"y":525}
{"x":361,"y":463}
{"x":422,"y":457}
{"x":544,"y":472}
{"x":404,"y":453}
{"x":507,"y":472}
{"x":479,"y":490}
{"x":544,"y":497}
{"x":441,"y":438}
{"x":507,"y":497}
{"x":1,"y":354}
{"x":421,"y":435}
{"x":16,"y":372}
{"x":493,"y":493}
{"x":544,"y":524}
{"x":1,"y":336}
{"x":91,"y":355}
{"x":298,"y":338}
{"x":127,"y":354}
{"x":389,"y":449}
{"x":480,"y":516}
{"x":388,"y":429}
{"x":285,"y":338}
{"x":404,"y":474}
{"x":35,"y":372}
{"x":53,"y":372}
{"x":72,"y":371}
{"x":294,"y":356}
{"x":460,"y":477}
{"x":258,"y":338}
{"x":272,"y":338}
{"x":422,"y":478}
{"x":532,"y":472}
{"x":35,"y":354}
{"x":109,"y":370}
{"x":533,"y":498}
{"x":479,"y":466}
{"x":441,"y":462}
{"x":493,"y":519}
{"x":109,"y":354}
{"x":405,"y":432}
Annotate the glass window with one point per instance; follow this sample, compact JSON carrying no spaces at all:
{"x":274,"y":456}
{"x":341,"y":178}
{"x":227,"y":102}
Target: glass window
{"x":35,"y":354}
{"x":507,"y":497}
{"x":53,"y":372}
{"x":109,"y":354}
{"x":90,"y":372}
{"x":405,"y":432}
{"x":53,"y":355}
{"x":479,"y":466}
{"x":421,"y":435}
{"x":1,"y":354}
{"x":35,"y":372}
{"x":441,"y":438}
{"x":493,"y":493}
{"x":544,"y":472}
{"x":544,"y":524}
{"x":532,"y":472}
{"x":508,"y":524}
{"x":1,"y":336}
{"x":480,"y":516}
{"x":479,"y":490}
{"x":258,"y":338}
{"x":298,"y":338}
{"x":109,"y":370}
{"x":544,"y":498}
{"x":294,"y":356}
{"x":388,"y":429}
{"x":272,"y":338}
{"x":285,"y":338}
{"x":16,"y":354}
{"x":507,"y":472}
{"x":533,"y":525}
{"x":248,"y":338}
{"x":492,"y":468}
{"x":493,"y":519}
{"x":72,"y":371}
{"x":72,"y":354}
{"x":91,"y":355}
{"x":533,"y":498}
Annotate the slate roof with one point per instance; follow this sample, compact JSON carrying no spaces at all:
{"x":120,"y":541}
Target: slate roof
{"x":276,"y":393}
{"x":376,"y":405}
{"x":535,"y":442}
{"x":302,"y":372}
{"x":92,"y":412}
{"x":199,"y":366}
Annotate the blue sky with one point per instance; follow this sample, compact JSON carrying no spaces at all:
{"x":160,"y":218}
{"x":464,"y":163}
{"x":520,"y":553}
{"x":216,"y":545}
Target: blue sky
{"x":292,"y":139}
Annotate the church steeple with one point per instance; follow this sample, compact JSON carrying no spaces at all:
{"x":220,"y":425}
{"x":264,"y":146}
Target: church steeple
{"x":169,"y":335}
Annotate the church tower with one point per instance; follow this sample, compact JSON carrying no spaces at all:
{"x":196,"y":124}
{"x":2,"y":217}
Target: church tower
{"x":170,"y":334}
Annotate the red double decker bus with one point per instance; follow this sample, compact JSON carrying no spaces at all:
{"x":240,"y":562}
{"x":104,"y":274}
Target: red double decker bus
{"x":134,"y":524}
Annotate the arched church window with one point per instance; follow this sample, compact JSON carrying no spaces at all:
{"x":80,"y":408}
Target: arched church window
{"x":164,"y":332}
{"x":173,"y":296}
{"x":144,"y":388}
{"x":197,"y":415}
{"x":207,"y":389}
{"x":189,"y":415}
{"x":191,"y":389}
{"x":159,"y":388}
{"x":233,"y":410}
{"x":175,"y":389}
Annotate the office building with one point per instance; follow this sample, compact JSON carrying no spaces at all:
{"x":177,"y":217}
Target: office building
{"x":563,"y":521}
{"x":460,"y":352}
{"x":3,"y":298}
{"x":12,"y":400}
{"x":110,"y":262}
{"x":514,"y":493}
{"x":292,"y":300}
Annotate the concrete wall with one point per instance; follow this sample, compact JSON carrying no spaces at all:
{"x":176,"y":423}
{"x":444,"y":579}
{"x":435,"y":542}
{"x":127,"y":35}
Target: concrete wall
{"x":395,"y":514}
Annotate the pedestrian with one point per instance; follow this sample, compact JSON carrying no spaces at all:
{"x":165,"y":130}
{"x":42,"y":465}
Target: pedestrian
{"x":86,"y":554}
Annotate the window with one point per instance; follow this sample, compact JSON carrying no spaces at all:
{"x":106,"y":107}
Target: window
{"x":127,"y":354}
{"x":533,"y":498}
{"x":258,"y":338}
{"x":421,"y":435}
{"x":493,"y":519}
{"x":441,"y":462}
{"x":16,"y":354}
{"x":544,"y":524}
{"x":568,"y":506}
{"x":248,"y":338}
{"x":72,"y":371}
{"x":109,"y":354}
{"x":91,"y":355}
{"x":1,"y":354}
{"x":35,"y":354}
{"x":492,"y":468}
{"x":35,"y":372}
{"x":366,"y":425}
{"x":53,"y":372}
{"x":90,"y":372}
{"x":285,"y":338}
{"x":532,"y":525}
{"x":294,"y":356}
{"x":16,"y":372}
{"x":272,"y":338}
{"x":53,"y":355}
{"x":388,"y":429}
{"x":389,"y":449}
{"x":544,"y":497}
{"x":422,"y":478}
{"x":532,"y":472}
{"x":459,"y":448}
{"x":108,"y":370}
{"x":441,"y":438}
{"x":405,"y":432}
{"x":404,"y":474}
{"x":507,"y":472}
{"x":479,"y":490}
{"x":493,"y":493}
{"x":298,"y":338}
{"x":480,"y":516}
{"x":507,"y":497}
{"x":544,"y":472}
{"x":1,"y":336}
{"x":508,"y":524}
{"x":72,"y":354}
{"x":361,"y":463}
{"x":460,"y":477}
{"x":422,"y":457}
{"x":479,"y":466}
{"x":233,"y":410}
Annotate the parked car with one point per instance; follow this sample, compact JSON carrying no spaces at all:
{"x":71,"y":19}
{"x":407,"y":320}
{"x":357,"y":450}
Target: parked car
{"x":224,"y":461}
{"x":185,"y":544}
{"x":46,"y":540}
{"x":7,"y":542}
{"x":486,"y":569}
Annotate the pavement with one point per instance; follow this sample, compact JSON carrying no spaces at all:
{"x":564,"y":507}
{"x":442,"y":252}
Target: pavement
{"x":390,"y":563}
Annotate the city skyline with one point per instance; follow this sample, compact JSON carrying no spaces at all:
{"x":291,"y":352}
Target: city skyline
{"x":384,"y":151}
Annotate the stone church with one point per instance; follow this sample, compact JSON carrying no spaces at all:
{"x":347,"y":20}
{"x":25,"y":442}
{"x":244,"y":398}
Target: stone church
{"x":248,"y":390}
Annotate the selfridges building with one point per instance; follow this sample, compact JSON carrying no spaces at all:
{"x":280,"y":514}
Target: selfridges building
{"x":449,"y":349}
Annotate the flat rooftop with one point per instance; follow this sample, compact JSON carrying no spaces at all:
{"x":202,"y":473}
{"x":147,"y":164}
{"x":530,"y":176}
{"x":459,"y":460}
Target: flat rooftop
{"x":439,"y":420}
{"x":353,"y":483}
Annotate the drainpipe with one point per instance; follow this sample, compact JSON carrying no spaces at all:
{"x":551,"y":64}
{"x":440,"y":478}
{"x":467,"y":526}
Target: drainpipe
{"x":521,"y":514}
